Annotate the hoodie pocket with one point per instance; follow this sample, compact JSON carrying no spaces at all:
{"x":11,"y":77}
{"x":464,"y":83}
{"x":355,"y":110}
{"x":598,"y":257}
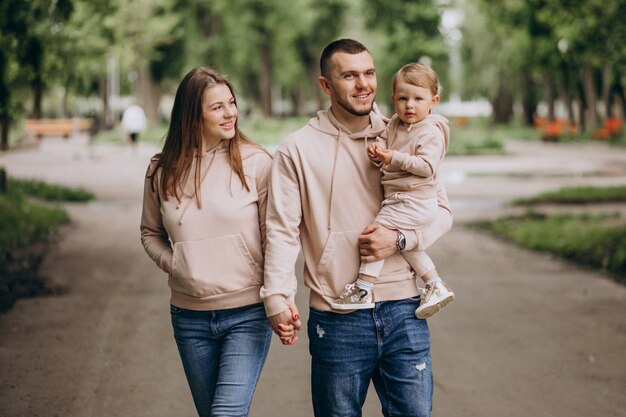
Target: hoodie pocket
{"x":214,"y":266}
{"x":339,"y":263}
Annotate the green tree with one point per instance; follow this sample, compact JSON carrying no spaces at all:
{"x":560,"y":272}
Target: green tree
{"x":27,"y":34}
{"x":40,"y":57}
{"x":411,"y":32}
{"x":13,"y":27}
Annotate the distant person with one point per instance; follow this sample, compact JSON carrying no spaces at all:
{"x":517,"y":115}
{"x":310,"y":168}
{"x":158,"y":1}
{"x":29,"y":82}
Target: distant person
{"x":134,"y":122}
{"x":203,"y":223}
{"x":409,"y":152}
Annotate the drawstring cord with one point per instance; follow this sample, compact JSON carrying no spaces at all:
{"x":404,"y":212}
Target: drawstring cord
{"x":332,"y":183}
{"x":206,"y":171}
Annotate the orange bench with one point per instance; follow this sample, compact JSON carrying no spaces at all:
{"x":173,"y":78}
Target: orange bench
{"x":551,"y":130}
{"x":56,"y":127}
{"x":611,"y":128}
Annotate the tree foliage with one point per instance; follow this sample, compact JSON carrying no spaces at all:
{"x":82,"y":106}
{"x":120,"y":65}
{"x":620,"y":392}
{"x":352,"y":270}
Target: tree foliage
{"x":411,"y":33}
{"x":545,"y":50}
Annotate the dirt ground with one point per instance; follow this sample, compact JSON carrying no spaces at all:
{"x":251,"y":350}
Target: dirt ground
{"x":529,"y":334}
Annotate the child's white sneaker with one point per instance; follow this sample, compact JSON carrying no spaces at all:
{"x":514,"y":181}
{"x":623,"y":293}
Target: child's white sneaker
{"x":354,"y":298}
{"x":434,"y":297}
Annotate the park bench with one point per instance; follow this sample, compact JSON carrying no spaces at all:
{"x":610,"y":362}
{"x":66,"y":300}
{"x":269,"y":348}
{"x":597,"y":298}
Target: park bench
{"x":57,"y":127}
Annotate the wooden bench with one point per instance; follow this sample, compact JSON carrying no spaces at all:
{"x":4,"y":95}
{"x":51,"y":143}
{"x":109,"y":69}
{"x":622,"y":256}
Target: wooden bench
{"x":57,"y":127}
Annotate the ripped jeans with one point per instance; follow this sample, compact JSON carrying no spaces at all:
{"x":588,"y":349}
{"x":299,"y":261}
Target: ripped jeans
{"x":386,"y":345}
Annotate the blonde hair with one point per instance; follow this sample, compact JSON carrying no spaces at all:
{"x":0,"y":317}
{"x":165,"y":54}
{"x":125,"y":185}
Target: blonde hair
{"x":419,"y":75}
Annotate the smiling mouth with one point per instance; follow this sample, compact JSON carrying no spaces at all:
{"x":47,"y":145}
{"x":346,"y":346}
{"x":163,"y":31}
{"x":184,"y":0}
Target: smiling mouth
{"x":228,"y":125}
{"x":362,"y":96}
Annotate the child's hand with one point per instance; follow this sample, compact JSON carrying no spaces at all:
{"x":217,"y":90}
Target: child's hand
{"x":384,"y":155}
{"x":371,"y":150}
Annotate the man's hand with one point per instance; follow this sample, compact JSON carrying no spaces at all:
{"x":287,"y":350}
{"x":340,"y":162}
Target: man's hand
{"x":286,"y":325}
{"x":376,"y":242}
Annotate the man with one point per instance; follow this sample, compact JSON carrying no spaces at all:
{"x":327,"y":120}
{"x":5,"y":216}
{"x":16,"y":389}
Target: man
{"x":324,"y":193}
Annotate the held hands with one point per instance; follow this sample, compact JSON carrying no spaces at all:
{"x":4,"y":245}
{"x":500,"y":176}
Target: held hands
{"x":286,"y":325}
{"x":376,"y":242}
{"x":375,"y":151}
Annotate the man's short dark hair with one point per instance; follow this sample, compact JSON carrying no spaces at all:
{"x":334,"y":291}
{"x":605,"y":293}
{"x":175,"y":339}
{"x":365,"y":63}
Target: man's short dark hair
{"x":347,"y":46}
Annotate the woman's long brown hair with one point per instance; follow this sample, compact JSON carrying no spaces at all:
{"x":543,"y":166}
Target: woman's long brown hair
{"x":183,"y":141}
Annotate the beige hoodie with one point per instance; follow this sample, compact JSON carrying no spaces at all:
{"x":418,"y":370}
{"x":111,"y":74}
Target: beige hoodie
{"x":323,"y":193}
{"x":418,"y":149}
{"x":213,"y":255}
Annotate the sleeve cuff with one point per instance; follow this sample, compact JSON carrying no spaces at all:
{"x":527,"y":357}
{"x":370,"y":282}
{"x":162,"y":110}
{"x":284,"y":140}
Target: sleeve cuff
{"x":276,"y":304}
{"x":396,"y":161}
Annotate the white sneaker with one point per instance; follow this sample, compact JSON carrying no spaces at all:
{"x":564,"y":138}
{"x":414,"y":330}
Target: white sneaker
{"x":433,"y":298}
{"x":353,"y":298}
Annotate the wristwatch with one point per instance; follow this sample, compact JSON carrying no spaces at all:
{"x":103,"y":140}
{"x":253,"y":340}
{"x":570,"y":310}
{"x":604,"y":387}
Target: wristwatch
{"x":400,"y":241}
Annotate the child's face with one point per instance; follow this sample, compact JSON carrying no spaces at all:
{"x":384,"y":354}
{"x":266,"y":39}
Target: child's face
{"x":413,"y":103}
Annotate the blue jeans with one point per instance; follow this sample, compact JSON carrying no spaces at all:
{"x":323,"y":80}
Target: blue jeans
{"x":386,"y":344}
{"x":223,"y":352}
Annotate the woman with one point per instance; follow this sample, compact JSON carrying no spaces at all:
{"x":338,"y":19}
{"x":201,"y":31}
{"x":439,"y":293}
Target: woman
{"x":203,"y":223}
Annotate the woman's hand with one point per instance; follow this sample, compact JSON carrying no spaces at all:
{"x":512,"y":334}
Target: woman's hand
{"x":286,"y":325}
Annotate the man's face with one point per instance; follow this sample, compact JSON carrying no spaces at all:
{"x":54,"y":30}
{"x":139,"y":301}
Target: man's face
{"x":351,"y":83}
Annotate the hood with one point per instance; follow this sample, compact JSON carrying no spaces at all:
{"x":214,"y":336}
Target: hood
{"x":442,"y":124}
{"x":326,"y":123}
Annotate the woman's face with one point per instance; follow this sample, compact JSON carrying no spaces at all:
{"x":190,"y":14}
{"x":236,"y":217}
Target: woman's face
{"x":219,"y":114}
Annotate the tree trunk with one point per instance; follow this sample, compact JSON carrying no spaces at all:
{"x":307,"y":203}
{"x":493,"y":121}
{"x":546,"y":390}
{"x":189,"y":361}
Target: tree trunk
{"x":502,"y":103}
{"x":529,"y":100}
{"x":37,"y":98}
{"x":566,"y":96}
{"x":591,"y":98}
{"x":5,"y":101}
{"x":618,"y":90}
{"x":582,"y":108}
{"x":550,"y":97}
{"x":65,"y":107}
{"x":149,"y":94}
{"x":266,"y":78}
{"x":104,"y":113}
{"x":317,"y":92}
{"x":606,"y":91}
{"x":298,"y":98}
{"x":3,"y":181}
{"x":5,"y":124}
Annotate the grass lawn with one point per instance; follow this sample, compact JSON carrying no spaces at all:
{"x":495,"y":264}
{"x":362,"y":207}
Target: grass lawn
{"x":577,"y":195}
{"x":594,"y":240}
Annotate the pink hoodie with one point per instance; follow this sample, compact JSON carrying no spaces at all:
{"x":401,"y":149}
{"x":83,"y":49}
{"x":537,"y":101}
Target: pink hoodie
{"x":323,"y":193}
{"x":418,"y":150}
{"x":214,"y":254}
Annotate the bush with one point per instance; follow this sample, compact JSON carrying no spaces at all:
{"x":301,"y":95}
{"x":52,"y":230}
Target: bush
{"x":25,"y":231}
{"x":49,"y":192}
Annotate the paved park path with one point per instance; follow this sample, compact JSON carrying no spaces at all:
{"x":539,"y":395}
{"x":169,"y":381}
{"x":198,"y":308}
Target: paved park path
{"x":529,"y":335}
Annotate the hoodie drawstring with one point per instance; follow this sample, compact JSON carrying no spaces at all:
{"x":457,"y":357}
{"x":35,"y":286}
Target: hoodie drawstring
{"x":332,"y":183}
{"x":206,"y":171}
